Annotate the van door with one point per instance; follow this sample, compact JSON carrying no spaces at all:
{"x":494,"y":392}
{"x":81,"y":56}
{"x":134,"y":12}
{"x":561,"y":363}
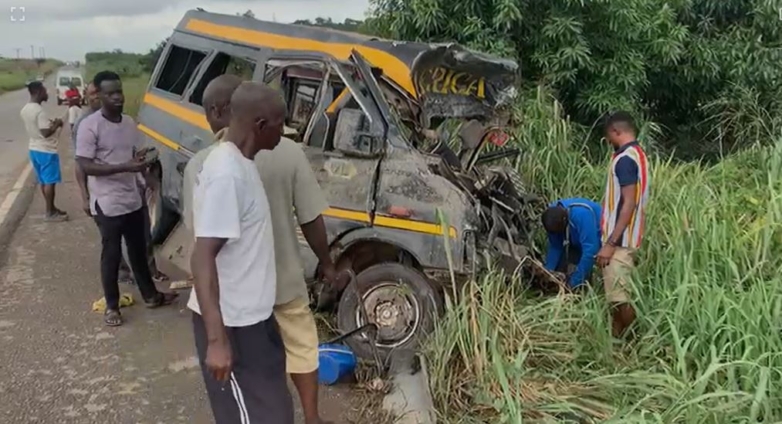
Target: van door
{"x":345,"y":169}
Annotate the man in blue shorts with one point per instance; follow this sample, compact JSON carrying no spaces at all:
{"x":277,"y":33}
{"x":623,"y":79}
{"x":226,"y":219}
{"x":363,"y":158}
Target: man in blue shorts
{"x":42,"y":133}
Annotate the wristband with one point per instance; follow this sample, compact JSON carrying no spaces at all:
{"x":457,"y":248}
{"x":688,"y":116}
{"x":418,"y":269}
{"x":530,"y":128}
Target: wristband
{"x":611,"y":243}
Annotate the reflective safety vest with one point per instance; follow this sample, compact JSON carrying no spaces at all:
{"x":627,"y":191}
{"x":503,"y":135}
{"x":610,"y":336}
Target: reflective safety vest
{"x":611,"y":201}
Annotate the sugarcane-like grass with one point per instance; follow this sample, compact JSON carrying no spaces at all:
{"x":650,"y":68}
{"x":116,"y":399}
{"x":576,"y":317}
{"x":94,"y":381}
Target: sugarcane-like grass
{"x":707,"y":344}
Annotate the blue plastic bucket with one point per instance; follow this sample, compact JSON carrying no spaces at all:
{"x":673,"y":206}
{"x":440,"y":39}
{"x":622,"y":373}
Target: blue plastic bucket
{"x":334,"y":362}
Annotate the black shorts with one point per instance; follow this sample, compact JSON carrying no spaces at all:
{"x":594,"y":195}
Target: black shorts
{"x":257,"y":391}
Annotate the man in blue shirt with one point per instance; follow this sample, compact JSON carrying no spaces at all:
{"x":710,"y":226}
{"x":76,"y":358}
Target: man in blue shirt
{"x":573,"y":227}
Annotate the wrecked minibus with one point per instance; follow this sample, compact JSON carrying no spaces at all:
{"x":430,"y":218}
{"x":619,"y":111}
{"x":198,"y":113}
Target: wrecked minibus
{"x":409,"y":214}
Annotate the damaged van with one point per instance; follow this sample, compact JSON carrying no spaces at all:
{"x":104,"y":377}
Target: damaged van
{"x":409,"y":213}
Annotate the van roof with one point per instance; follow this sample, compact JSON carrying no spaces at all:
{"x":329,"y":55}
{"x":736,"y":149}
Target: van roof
{"x":395,"y":58}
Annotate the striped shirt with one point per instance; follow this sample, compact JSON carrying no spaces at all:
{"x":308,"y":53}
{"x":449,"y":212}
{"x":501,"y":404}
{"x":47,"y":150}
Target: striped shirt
{"x":629,"y":166}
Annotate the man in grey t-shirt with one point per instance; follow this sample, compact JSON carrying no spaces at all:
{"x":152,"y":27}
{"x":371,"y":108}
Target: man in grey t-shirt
{"x":93,"y":102}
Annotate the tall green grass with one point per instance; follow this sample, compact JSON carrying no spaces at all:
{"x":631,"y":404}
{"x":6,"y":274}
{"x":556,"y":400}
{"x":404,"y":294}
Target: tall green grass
{"x":134,"y":89}
{"x":708,"y":343}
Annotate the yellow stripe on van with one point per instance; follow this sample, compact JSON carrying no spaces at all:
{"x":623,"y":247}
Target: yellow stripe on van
{"x":188,"y":115}
{"x":410,"y":225}
{"x":391,"y":66}
{"x":157,"y":136}
{"x":347,"y":214}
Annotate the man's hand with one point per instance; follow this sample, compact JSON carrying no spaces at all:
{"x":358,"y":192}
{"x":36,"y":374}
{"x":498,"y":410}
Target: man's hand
{"x":333,"y":279}
{"x":560,"y":276}
{"x":140,"y":163}
{"x":55,"y":123}
{"x":85,"y":206}
{"x":604,"y":255}
{"x":136,"y":165}
{"x":219,"y":360}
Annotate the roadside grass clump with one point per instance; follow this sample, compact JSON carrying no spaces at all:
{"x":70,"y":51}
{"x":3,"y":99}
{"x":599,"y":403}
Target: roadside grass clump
{"x":15,"y":73}
{"x":707,"y":346}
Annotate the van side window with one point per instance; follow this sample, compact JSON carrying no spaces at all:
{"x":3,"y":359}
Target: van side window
{"x":301,"y":103}
{"x":178,"y":69}
{"x":223,"y":64}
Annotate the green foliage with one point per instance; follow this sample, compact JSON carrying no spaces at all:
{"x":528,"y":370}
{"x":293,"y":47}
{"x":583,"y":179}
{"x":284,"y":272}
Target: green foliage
{"x":664,"y":60}
{"x":349,"y":25}
{"x":128,"y":65}
{"x":150,"y":59}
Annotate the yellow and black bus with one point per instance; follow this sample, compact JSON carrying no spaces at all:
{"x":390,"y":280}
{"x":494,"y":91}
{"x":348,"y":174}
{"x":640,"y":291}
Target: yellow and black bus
{"x":354,"y":104}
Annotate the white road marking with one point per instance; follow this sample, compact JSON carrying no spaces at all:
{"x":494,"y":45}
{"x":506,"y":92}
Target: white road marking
{"x":10,"y":198}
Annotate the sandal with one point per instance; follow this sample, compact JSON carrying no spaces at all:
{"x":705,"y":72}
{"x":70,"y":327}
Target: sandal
{"x":112,"y":318}
{"x":162,"y":299}
{"x":160,"y":278}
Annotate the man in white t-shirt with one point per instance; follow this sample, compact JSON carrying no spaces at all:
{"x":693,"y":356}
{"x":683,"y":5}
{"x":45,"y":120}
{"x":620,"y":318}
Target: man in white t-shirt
{"x":237,"y":338}
{"x":42,"y":133}
{"x":74,"y":112}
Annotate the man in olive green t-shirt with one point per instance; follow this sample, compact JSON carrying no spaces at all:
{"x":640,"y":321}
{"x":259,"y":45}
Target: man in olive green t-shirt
{"x":295,"y":199}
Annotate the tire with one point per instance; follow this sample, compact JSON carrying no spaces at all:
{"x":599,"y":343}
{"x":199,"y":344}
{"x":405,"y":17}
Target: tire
{"x":380,"y":285}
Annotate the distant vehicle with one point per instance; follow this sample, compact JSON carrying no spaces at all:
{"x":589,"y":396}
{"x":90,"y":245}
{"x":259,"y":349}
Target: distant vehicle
{"x":63,"y":83}
{"x":39,"y":77}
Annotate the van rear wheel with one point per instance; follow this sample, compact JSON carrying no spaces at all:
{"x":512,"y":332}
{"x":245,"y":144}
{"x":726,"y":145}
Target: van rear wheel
{"x":399,"y":299}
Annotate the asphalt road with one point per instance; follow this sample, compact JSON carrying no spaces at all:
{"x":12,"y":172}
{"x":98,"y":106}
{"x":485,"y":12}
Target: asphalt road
{"x":58,"y":363}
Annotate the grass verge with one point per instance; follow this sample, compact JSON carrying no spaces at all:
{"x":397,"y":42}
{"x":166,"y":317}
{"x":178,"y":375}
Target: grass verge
{"x":14,"y":73}
{"x":708,"y":346}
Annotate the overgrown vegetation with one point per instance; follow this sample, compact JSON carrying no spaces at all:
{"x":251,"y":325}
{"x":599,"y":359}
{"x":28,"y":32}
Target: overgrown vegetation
{"x":15,"y":73}
{"x":708,"y":347}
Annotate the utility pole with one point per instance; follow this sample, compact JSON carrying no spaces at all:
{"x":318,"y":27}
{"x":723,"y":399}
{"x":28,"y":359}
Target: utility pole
{"x":18,"y":53}
{"x":32,"y":51}
{"x":42,"y":53}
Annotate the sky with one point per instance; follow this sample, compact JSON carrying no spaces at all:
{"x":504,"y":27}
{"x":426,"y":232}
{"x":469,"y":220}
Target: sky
{"x":67,"y":29}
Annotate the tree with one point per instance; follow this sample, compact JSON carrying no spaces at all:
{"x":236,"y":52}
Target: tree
{"x":149,"y":60}
{"x":350,"y":25}
{"x":678,"y":63}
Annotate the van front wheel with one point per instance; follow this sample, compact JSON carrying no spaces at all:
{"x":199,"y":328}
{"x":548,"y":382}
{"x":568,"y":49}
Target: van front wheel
{"x":399,"y":299}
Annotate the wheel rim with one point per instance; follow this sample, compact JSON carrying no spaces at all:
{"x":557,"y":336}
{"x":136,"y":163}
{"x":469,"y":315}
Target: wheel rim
{"x":395,"y":310}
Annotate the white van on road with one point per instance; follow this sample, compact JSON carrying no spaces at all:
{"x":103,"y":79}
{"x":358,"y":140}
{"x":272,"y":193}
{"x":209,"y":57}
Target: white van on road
{"x":63,"y":84}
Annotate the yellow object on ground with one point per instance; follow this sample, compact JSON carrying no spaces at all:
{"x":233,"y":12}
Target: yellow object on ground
{"x":124,"y":300}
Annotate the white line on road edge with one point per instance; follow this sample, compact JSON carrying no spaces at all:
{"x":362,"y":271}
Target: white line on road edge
{"x":10,"y":198}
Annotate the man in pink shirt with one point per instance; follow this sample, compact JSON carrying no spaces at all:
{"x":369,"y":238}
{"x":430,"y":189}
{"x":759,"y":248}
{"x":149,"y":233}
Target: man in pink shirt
{"x":109,"y":151}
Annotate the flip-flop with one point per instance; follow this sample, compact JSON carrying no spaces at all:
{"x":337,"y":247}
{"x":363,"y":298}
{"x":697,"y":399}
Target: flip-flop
{"x":160,"y":278}
{"x":163,"y":299}
{"x":112,"y":318}
{"x":181,"y":284}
